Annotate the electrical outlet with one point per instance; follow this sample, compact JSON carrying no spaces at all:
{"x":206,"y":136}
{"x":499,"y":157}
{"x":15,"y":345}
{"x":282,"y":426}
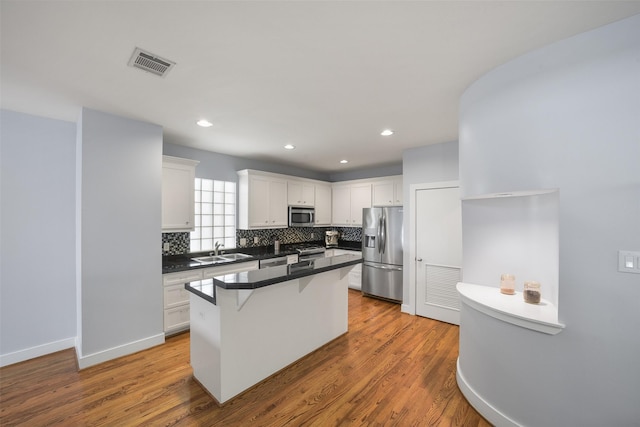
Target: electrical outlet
{"x":256,"y":240}
{"x":313,"y":236}
{"x":243,"y":242}
{"x":166,"y":247}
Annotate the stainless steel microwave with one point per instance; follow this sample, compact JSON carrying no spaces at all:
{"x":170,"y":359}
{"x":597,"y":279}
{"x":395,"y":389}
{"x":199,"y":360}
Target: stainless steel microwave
{"x":301,"y":217}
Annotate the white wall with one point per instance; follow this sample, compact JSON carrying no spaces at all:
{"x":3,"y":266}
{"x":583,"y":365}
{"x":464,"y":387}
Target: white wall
{"x":119,"y":288}
{"x":427,"y":164}
{"x":566,"y":116}
{"x":37,"y":244}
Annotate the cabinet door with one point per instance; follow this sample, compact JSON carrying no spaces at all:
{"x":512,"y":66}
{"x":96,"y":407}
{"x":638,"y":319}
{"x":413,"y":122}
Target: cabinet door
{"x":341,"y":205}
{"x":294,"y":193}
{"x":323,"y":204}
{"x":177,"y":197}
{"x":175,"y":295}
{"x":278,"y":204}
{"x":397,"y":192}
{"x":176,"y":318}
{"x":308,"y":194}
{"x":360,"y":198}
{"x":258,"y":201}
{"x":383,"y":193}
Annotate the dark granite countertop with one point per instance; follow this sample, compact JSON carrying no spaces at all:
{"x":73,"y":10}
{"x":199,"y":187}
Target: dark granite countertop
{"x":176,"y":263}
{"x":269,"y":276}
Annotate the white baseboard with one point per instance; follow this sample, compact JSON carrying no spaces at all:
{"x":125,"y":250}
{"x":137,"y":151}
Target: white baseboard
{"x":119,"y":351}
{"x":37,"y":351}
{"x":406,"y":308}
{"x":485,"y":409}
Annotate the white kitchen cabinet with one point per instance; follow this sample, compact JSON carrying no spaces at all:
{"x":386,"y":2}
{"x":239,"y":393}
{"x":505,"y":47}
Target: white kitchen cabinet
{"x":348,"y":202}
{"x":176,"y":299}
{"x":323,"y":204}
{"x":300,"y":193}
{"x":341,"y":205}
{"x":388,"y":192}
{"x":360,"y":199}
{"x":355,"y":275}
{"x":178,"y":176}
{"x":262,"y":201}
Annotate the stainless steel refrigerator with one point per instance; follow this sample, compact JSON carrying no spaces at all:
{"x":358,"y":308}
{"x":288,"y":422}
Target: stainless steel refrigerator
{"x":382,"y":244}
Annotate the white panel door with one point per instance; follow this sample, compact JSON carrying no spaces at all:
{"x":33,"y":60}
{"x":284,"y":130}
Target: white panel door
{"x":438,"y":253}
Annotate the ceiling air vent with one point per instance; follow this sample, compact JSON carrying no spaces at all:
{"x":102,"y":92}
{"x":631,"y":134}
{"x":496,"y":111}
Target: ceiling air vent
{"x":151,"y":63}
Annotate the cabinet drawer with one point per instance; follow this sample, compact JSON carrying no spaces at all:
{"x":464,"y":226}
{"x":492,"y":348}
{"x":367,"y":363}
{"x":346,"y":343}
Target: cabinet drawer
{"x":176,"y":318}
{"x":181,"y":277}
{"x":175,"y":295}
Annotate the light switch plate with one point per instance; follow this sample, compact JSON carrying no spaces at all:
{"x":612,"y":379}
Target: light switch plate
{"x":628,"y":261}
{"x":166,"y":246}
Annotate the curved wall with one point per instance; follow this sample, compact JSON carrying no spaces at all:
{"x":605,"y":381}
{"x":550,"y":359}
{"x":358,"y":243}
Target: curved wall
{"x":566,"y":116}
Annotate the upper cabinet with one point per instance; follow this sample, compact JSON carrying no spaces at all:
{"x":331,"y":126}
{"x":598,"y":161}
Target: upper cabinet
{"x":388,"y":192}
{"x":323,"y":204}
{"x":348,"y":202}
{"x":262,"y":201}
{"x":178,"y":176}
{"x":300,"y":193}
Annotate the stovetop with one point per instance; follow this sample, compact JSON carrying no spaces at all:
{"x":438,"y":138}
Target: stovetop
{"x":307,"y":248}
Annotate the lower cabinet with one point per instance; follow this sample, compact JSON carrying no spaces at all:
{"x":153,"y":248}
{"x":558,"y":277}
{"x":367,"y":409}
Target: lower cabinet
{"x":355,"y":276}
{"x":176,"y":297}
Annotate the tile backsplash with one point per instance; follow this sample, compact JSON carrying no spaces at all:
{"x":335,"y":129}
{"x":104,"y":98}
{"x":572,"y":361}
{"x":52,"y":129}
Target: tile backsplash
{"x":295,"y":235}
{"x":179,"y":242}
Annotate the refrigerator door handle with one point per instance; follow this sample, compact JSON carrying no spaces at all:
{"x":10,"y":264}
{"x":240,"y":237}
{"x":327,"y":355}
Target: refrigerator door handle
{"x":383,"y":233}
{"x":384,"y":267}
{"x":379,"y":233}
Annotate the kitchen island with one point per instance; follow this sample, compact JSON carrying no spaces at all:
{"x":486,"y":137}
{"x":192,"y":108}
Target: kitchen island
{"x":247,"y":326}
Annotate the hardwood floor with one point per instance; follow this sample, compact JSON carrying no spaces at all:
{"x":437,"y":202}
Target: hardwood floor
{"x":390,"y":369}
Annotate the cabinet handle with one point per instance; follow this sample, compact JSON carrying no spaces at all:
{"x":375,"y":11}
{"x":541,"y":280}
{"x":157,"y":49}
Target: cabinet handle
{"x":419,"y":259}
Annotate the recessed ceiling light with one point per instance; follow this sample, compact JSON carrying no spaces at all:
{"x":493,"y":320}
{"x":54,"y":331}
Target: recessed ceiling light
{"x":289,"y":147}
{"x":204,"y":123}
{"x":386,"y":132}
{"x":344,"y":161}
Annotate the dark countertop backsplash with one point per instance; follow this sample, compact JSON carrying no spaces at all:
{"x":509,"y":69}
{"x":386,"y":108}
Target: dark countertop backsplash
{"x":182,"y":262}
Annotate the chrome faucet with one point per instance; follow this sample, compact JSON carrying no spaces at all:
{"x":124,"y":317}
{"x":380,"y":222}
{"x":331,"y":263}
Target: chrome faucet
{"x":217,"y":247}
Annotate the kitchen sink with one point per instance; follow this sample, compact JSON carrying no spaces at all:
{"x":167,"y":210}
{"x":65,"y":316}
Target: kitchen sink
{"x":215,"y":259}
{"x":211,"y":259}
{"x":237,"y":256}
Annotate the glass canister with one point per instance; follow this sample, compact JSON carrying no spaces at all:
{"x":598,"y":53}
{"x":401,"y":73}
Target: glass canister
{"x":508,"y":284}
{"x":531,"y":292}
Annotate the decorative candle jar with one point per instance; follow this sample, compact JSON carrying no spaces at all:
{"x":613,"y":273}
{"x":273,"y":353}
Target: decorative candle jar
{"x":531,"y":292}
{"x":508,"y":284}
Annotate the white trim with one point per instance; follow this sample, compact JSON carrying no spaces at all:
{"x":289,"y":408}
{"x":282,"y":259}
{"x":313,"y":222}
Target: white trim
{"x":406,"y":308}
{"x":37,"y":351}
{"x":485,"y":409}
{"x":413,"y":188}
{"x":119,"y":351}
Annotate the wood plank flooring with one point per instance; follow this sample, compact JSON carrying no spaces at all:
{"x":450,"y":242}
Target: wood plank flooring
{"x":390,"y":369}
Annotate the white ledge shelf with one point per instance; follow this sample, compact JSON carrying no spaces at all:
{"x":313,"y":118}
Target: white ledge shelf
{"x":512,"y":309}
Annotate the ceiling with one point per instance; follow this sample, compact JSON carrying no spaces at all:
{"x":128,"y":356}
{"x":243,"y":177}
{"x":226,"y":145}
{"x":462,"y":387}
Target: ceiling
{"x":325,"y":76}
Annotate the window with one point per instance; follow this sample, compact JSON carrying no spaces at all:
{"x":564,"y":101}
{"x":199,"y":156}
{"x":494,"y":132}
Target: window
{"x":215,"y":211}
